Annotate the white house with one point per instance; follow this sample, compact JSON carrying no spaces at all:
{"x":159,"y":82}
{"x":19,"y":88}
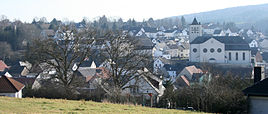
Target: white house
{"x":218,"y":33}
{"x":253,"y":44}
{"x":146,"y":83}
{"x":10,"y":87}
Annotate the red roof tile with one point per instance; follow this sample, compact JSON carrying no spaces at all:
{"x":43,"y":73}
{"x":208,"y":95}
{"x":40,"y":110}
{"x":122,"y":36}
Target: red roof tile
{"x":185,"y":80}
{"x":9,"y":85}
{"x":193,"y":69}
{"x":3,"y":66}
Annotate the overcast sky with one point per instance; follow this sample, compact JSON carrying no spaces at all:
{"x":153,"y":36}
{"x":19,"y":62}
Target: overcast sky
{"x":75,"y":10}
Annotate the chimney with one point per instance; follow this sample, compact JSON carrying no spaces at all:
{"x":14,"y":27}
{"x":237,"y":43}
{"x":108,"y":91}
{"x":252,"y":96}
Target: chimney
{"x":257,"y":74}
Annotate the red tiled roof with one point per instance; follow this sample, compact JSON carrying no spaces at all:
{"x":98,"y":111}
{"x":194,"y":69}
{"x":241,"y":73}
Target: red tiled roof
{"x":3,"y":66}
{"x":102,"y":73}
{"x":9,"y":85}
{"x":185,"y":80}
{"x":193,"y":69}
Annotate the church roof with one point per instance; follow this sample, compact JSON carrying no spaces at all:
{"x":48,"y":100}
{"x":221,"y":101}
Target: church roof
{"x":231,"y":42}
{"x":195,"y":22}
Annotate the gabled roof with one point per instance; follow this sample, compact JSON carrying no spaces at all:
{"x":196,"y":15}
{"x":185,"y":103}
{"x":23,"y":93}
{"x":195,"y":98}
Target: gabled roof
{"x":3,"y":66}
{"x":231,"y":42}
{"x":193,"y":70}
{"x":92,"y":73}
{"x":185,"y":80}
{"x":144,"y":43}
{"x":258,"y":89}
{"x":9,"y":85}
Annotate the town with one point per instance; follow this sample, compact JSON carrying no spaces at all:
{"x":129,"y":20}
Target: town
{"x":174,"y":64}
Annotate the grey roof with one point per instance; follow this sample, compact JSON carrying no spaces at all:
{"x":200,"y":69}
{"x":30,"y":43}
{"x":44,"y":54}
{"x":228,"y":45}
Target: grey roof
{"x":231,"y":42}
{"x":169,"y":31}
{"x":149,"y":29}
{"x":173,"y":46}
{"x":87,"y":71}
{"x":195,"y":22}
{"x":217,"y":31}
{"x":258,"y":89}
{"x":144,"y":43}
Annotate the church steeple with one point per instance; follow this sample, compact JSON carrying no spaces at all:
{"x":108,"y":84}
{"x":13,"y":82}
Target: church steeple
{"x":195,"y":30}
{"x":195,"y":22}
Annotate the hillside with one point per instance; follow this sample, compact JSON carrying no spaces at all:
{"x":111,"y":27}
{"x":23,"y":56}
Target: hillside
{"x":243,"y":16}
{"x":37,"y":105}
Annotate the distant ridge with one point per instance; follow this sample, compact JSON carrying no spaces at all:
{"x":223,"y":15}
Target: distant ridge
{"x":243,"y":15}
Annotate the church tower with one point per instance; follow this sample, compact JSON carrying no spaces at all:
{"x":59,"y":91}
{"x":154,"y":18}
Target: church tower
{"x":195,"y":30}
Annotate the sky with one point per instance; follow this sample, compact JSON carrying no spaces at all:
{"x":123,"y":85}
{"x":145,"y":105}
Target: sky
{"x":76,"y":10}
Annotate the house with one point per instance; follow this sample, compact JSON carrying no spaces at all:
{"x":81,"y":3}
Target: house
{"x":184,"y":50}
{"x":208,"y":31}
{"x":144,"y":45}
{"x":172,"y":70}
{"x":10,"y":87}
{"x":257,"y":94}
{"x":263,"y":45}
{"x":218,"y":33}
{"x":92,"y":76}
{"x":253,"y":44}
{"x":191,"y":73}
{"x":48,"y":33}
{"x":146,"y":84}
{"x":173,"y":50}
{"x":181,"y":81}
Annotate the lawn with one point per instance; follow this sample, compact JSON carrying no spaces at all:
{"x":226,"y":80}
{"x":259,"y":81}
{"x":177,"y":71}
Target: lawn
{"x":37,"y":105}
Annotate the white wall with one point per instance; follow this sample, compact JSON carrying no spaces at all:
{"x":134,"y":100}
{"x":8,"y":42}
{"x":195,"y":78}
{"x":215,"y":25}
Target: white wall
{"x":219,"y":57}
{"x":16,"y":95}
{"x":258,"y":105}
{"x":212,"y":44}
{"x":158,"y":64}
{"x":195,"y":56}
{"x":240,"y":57}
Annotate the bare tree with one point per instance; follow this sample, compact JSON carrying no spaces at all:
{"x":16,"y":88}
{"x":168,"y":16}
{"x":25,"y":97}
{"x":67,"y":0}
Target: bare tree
{"x":6,"y":51}
{"x":123,"y":62}
{"x":63,"y":55}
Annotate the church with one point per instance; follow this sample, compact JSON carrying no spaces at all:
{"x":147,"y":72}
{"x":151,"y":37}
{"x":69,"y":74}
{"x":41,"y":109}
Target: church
{"x":217,"y":49}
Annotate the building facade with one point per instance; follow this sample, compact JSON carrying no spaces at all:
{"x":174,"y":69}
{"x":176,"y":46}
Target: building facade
{"x":218,"y":49}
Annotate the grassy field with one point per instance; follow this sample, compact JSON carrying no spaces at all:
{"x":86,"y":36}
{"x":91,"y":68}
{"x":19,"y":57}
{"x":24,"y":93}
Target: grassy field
{"x":37,"y":105}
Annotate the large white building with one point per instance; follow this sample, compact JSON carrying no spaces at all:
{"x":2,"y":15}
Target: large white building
{"x":218,"y":49}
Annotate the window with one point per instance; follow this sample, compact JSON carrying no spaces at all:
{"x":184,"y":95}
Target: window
{"x":219,"y":50}
{"x":205,"y":50}
{"x":194,"y":50}
{"x":212,"y":50}
{"x":230,"y":56}
{"x":244,"y":56}
{"x":236,"y":56}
